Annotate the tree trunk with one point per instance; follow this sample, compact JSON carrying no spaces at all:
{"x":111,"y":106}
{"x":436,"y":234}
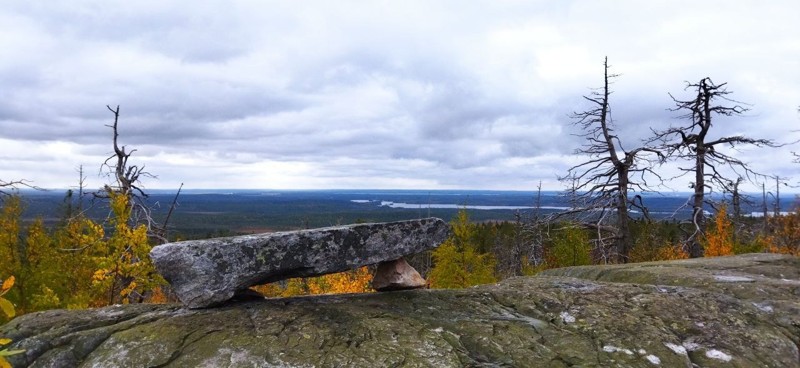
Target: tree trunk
{"x":698,"y":216}
{"x":623,"y":233}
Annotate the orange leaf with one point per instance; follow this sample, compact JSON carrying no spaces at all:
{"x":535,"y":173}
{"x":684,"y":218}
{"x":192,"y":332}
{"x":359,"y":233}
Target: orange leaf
{"x":8,"y":283}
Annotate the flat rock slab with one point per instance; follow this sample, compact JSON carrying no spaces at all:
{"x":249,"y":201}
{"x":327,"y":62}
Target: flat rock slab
{"x":208,"y":272}
{"x":686,"y":319}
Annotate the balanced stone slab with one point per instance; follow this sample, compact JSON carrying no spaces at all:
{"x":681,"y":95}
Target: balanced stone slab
{"x":205,"y":273}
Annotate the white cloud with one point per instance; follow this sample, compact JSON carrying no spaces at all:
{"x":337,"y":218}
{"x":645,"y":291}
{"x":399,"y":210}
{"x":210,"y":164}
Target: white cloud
{"x":252,"y":94}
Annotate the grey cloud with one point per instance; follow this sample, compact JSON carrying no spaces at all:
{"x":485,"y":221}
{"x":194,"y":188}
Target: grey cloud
{"x":445,"y":94}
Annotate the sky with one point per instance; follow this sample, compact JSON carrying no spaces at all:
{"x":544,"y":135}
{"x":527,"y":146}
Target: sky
{"x":376,"y":94}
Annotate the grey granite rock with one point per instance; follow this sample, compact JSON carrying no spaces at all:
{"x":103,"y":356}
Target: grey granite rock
{"x":661,"y":314}
{"x":208,"y":272}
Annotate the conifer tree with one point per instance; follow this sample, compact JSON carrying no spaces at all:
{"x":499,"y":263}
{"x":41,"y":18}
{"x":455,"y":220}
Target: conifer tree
{"x":457,"y":262}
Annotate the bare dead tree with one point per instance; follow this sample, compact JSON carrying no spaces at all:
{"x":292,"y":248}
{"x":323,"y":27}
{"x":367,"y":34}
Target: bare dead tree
{"x":530,"y":234}
{"x":164,"y":234}
{"x":603,"y":183}
{"x":5,"y":186}
{"x":127,"y":176}
{"x":691,"y":142}
{"x":127,"y":182}
{"x":732,"y":187}
{"x":737,"y":198}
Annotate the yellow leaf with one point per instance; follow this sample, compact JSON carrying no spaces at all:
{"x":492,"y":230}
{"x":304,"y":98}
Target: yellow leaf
{"x":8,"y":283}
{"x":7,"y":308}
{"x":4,"y":363}
{"x":4,"y":341}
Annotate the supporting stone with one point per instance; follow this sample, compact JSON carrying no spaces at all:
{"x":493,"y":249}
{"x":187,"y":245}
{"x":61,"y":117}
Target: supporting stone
{"x":204,"y":273}
{"x":396,"y":275}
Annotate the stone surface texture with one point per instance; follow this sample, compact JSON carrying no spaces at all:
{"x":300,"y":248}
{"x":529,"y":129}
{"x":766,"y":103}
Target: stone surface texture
{"x":396,"y":275}
{"x":663,"y":314}
{"x":205,"y":273}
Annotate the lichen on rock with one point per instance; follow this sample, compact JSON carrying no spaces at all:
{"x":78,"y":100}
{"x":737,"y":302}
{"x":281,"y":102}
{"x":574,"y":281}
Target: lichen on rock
{"x":205,"y":273}
{"x":595,"y":318}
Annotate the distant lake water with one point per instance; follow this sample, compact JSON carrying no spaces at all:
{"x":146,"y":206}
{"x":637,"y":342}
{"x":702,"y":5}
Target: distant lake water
{"x":449,"y":205}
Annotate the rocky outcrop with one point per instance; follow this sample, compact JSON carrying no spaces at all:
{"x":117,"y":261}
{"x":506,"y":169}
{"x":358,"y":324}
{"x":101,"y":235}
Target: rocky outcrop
{"x":741,"y":311}
{"x":207,"y":272}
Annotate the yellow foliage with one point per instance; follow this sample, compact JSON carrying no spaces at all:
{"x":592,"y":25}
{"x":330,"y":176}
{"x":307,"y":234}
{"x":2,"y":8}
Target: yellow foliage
{"x":5,"y":305}
{"x":457,"y":263}
{"x":45,"y":299}
{"x":8,"y":310}
{"x":355,"y":281}
{"x":719,"y":239}
{"x":664,"y":252}
{"x":571,"y":247}
{"x":530,"y":269}
{"x":77,"y":265}
{"x":671,"y":252}
{"x":125,"y":272}
{"x":785,"y":236}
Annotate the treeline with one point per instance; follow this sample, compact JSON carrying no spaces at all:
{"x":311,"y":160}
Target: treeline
{"x":79,"y":263}
{"x":485,"y":252}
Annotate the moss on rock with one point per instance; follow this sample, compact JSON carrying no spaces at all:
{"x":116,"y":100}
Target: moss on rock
{"x":670,"y":314}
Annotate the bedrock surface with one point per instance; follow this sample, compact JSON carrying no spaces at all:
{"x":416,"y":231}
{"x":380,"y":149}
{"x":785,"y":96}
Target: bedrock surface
{"x":740,"y":311}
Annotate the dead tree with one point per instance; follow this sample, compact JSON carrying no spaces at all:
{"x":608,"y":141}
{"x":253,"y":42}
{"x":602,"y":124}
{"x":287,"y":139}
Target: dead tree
{"x":530,"y":235}
{"x":5,"y":186}
{"x":127,"y":182}
{"x":8,"y":188}
{"x":127,"y":176}
{"x":603,"y":183}
{"x":692,"y":142}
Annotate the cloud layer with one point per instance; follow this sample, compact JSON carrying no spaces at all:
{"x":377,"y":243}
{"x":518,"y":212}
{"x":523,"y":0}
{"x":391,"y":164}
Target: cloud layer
{"x":254,"y":94}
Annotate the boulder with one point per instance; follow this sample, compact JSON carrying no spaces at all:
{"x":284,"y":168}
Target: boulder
{"x":396,"y":275}
{"x":208,"y":272}
{"x":661,"y":314}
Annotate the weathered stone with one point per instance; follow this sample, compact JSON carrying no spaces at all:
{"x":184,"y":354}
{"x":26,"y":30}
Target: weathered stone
{"x":396,"y":275}
{"x":204,"y":273}
{"x":674,"y":313}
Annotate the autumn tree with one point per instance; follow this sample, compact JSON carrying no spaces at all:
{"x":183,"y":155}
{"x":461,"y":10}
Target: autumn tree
{"x":125,"y":271}
{"x":603,"y":183}
{"x":785,"y":236}
{"x":719,"y":238}
{"x":30,"y":254}
{"x":458,"y":262}
{"x":570,"y":247}
{"x":693,"y":142}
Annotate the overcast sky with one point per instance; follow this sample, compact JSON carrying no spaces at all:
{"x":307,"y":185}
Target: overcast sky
{"x":374,"y":94}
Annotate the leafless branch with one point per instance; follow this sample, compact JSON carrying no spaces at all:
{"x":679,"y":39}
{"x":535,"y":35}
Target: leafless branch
{"x":690,"y":142}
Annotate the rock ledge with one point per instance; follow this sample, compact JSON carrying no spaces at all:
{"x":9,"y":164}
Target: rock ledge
{"x":667,"y":314}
